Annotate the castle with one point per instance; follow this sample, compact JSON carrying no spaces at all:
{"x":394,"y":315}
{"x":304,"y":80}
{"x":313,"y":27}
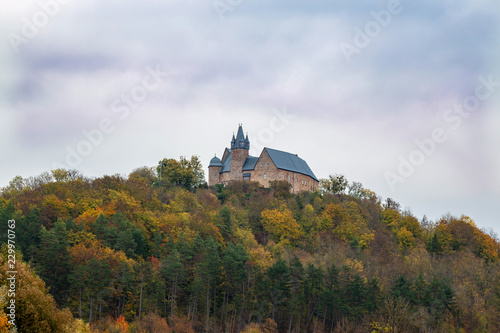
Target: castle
{"x":271,"y":165}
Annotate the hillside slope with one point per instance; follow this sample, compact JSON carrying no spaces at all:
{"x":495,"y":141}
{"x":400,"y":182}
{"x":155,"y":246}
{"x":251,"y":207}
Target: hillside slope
{"x":133,"y":253}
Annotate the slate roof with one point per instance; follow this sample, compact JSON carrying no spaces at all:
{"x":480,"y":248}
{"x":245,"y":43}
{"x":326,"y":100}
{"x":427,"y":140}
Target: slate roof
{"x":215,"y":161}
{"x":240,"y":141}
{"x":281,"y":159}
{"x":226,"y":165}
{"x":250,"y":163}
{"x":290,"y":162}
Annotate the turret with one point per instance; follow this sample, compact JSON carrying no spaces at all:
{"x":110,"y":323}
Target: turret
{"x":240,"y":147}
{"x":240,"y":141}
{"x":214,"y":171}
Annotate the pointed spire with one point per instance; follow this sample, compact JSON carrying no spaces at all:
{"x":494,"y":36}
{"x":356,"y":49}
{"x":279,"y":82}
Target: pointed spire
{"x":240,"y":136}
{"x":240,"y":141}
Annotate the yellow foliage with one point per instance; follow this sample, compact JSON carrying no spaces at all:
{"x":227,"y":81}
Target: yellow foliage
{"x":348,"y":223}
{"x":406,"y":228}
{"x":258,"y":255}
{"x":36,"y":310}
{"x":252,"y":328}
{"x":184,"y":201}
{"x":309,"y":209}
{"x":55,"y":205}
{"x":123,"y":202}
{"x":405,"y":238}
{"x":392,"y":218}
{"x":148,"y":220}
{"x":365,"y":240}
{"x":418,"y":260}
{"x":281,"y":224}
{"x":381,"y":328}
{"x":89,"y":216}
{"x":355,"y":265}
{"x":80,"y":236}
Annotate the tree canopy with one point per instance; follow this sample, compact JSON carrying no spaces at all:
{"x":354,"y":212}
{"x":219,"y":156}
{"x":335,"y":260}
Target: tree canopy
{"x":156,"y":251}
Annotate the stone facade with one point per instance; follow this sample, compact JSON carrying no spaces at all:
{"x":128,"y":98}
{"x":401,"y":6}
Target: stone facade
{"x":271,"y":165}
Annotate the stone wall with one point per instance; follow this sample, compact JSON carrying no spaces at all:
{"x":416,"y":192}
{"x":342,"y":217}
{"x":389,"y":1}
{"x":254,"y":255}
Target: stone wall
{"x":213,"y":175}
{"x":265,"y":171}
{"x":238,"y":157}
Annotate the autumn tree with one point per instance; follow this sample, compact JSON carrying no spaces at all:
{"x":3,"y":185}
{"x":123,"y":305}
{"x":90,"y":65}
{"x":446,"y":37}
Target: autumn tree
{"x":280,"y":224}
{"x":36,"y":310}
{"x":186,"y":173}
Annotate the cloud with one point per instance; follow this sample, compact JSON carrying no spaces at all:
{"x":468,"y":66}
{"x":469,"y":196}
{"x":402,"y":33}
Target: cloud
{"x":353,"y":118}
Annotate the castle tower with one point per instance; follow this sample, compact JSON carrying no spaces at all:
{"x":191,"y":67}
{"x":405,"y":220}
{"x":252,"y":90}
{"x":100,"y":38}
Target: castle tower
{"x":214,"y":171}
{"x":240,"y":147}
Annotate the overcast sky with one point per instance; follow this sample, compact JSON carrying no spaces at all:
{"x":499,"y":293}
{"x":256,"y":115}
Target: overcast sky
{"x":403,"y":97}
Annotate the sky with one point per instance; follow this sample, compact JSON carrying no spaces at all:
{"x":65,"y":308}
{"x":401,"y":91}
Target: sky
{"x":402,"y":96}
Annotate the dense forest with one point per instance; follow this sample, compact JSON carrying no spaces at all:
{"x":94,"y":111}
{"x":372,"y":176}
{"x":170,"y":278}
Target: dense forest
{"x":159,"y":251}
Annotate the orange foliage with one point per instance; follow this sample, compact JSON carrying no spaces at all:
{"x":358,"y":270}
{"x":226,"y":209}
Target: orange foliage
{"x":4,"y":323}
{"x":122,"y":324}
{"x":94,"y":249}
{"x":269,"y":326}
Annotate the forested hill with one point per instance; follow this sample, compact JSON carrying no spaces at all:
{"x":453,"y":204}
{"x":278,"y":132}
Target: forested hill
{"x":158,"y":251}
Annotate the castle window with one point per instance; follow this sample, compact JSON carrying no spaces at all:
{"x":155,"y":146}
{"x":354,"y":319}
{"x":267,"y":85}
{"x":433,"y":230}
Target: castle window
{"x":267,"y":165}
{"x":288,"y":178}
{"x":296,"y":179}
{"x":246,"y":176}
{"x":265,"y":176}
{"x":306,"y":182}
{"x":283,"y":176}
{"x":262,"y":165}
{"x":302,"y":181}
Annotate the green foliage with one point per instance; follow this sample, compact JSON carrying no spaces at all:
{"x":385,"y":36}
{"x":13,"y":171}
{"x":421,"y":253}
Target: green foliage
{"x":185,"y":173}
{"x":335,"y":184}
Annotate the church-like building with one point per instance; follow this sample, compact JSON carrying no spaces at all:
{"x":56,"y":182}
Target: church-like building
{"x":272,"y":164}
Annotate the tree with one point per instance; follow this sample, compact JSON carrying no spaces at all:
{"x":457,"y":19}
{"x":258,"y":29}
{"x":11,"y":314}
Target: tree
{"x":234,"y":261}
{"x":36,"y":310}
{"x":281,"y":224}
{"x":355,"y":189}
{"x":29,"y":233}
{"x":126,"y":242}
{"x":174,"y":274}
{"x":53,"y":260}
{"x":7,"y":211}
{"x":277,"y":284}
{"x":185,"y":173}
{"x":335,"y":184}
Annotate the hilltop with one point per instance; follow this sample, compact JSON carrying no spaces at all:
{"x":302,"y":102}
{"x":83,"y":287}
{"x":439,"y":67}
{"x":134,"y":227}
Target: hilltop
{"x":159,"y":251}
